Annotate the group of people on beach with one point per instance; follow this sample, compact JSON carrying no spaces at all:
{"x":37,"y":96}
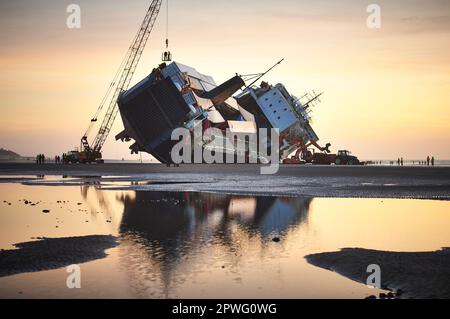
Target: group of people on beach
{"x":430,"y":161}
{"x":64,"y":159}
{"x":40,"y":159}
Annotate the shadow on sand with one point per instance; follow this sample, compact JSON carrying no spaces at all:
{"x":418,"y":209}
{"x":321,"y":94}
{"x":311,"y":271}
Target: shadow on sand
{"x":418,"y":274}
{"x":53,"y":253}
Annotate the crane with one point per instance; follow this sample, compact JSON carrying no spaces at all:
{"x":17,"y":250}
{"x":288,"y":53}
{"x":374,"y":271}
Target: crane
{"x":90,"y":153}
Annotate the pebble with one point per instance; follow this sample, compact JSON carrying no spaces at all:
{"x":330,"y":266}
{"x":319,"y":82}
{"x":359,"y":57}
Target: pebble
{"x":371,"y":297}
{"x":46,"y":211}
{"x":276,"y":240}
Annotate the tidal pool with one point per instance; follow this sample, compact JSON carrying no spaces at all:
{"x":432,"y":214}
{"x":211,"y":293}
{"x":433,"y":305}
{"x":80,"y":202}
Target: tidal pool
{"x":202,"y":245}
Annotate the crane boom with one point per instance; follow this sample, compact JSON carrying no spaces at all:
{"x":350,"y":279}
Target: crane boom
{"x":126,"y":72}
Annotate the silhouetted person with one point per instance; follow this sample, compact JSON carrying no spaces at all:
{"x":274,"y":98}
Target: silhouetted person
{"x":398,"y":161}
{"x":428,"y":161}
{"x":401,"y":161}
{"x":432,"y":161}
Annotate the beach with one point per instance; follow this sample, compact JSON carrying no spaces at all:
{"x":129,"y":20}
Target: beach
{"x":293,"y":180}
{"x":202,"y":231}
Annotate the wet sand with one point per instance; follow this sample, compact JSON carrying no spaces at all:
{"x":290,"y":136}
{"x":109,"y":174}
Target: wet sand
{"x":292,"y":180}
{"x":53,"y":253}
{"x":124,"y":169}
{"x":158,"y":234}
{"x":424,"y":275}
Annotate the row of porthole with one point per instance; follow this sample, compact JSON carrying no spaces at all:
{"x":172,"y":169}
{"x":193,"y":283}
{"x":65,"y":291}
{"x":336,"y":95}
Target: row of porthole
{"x":279,"y":101}
{"x":285,"y":109}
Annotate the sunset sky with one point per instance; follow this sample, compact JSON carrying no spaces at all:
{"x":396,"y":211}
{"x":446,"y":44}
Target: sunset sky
{"x":387,"y":90}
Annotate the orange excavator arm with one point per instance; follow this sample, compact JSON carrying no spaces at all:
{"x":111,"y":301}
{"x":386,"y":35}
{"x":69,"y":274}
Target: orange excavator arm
{"x":302,"y":152}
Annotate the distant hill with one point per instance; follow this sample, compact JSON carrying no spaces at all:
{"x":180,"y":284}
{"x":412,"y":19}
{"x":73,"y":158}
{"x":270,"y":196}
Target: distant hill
{"x":8,"y":155}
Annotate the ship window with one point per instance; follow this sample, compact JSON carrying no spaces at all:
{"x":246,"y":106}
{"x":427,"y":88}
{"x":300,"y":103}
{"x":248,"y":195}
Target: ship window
{"x":274,"y":112}
{"x":279,"y":118}
{"x":270,"y":105}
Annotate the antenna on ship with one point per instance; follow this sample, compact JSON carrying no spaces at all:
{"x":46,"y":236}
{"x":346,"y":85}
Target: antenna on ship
{"x":261,"y":75}
{"x":313,"y":99}
{"x":167,"y":55}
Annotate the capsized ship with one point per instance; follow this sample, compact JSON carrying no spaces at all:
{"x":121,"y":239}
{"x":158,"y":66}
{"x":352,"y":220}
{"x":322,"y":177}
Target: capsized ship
{"x":177,"y":95}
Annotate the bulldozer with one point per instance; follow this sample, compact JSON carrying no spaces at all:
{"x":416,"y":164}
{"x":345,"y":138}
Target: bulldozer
{"x":343,"y":157}
{"x":323,"y":157}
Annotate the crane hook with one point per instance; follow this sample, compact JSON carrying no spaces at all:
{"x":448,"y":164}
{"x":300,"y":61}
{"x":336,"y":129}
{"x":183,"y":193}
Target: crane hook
{"x":167,"y":56}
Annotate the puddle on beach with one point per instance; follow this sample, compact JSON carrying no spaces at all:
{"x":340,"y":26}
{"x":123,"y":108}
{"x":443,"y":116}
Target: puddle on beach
{"x":199,"y":245}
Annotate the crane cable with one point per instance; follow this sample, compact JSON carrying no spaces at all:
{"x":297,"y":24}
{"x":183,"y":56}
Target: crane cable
{"x":167,"y":24}
{"x":105,"y":98}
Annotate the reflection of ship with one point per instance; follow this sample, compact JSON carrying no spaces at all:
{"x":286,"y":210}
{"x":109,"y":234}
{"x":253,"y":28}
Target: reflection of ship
{"x":171,"y":218}
{"x":178,"y":96}
{"x":165,"y":236}
{"x":165,"y":216}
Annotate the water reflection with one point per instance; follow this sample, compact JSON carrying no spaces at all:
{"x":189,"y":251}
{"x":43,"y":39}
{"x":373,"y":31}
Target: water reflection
{"x":169,"y":216}
{"x":209,"y":245}
{"x":168,"y":237}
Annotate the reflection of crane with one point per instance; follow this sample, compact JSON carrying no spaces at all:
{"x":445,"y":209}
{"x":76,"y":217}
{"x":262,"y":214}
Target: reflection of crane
{"x":92,"y":153}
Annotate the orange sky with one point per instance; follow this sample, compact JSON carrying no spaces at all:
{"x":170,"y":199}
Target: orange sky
{"x":387,"y":91}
